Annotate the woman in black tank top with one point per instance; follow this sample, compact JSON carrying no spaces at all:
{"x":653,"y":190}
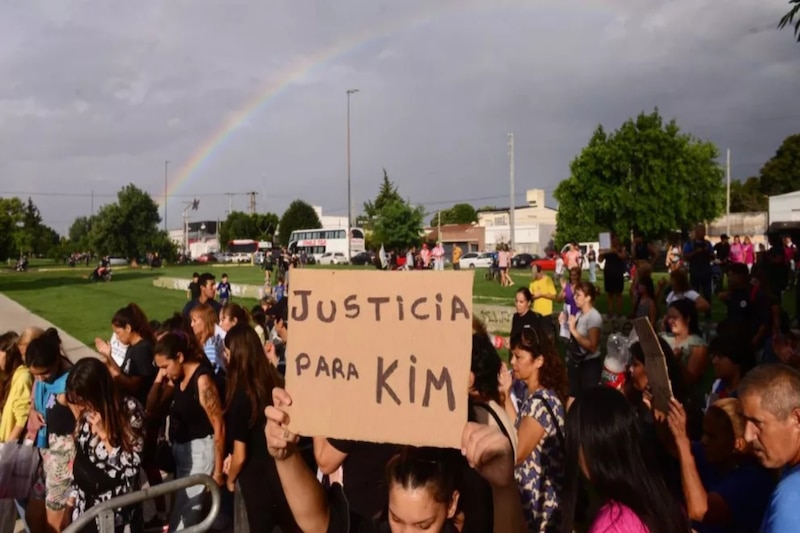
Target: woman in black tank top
{"x":196,"y":428}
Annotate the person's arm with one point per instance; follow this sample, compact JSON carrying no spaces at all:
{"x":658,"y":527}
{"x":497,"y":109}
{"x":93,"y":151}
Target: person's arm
{"x":19,"y":400}
{"x":697,"y":364}
{"x":238,"y":457}
{"x":489,"y":452}
{"x":529,"y":435}
{"x":328,"y":458}
{"x":160,"y":392}
{"x":702,"y":506}
{"x":701,"y":304}
{"x":304,"y":494}
{"x":209,"y":400}
{"x":652,"y":313}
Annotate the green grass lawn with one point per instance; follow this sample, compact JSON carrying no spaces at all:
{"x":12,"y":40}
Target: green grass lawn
{"x":65,"y":297}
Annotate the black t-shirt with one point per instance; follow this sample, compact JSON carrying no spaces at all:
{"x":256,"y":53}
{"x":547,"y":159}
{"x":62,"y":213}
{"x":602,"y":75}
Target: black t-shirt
{"x":723,"y":251}
{"x":344,"y":520}
{"x":641,"y":252}
{"x":139,"y":362}
{"x":520,"y":321}
{"x":187,"y":418}
{"x":238,"y":428}
{"x":700,"y":263}
{"x":739,"y":305}
{"x":59,"y":418}
{"x":194,"y":290}
{"x":614,"y":266}
{"x":364,"y":467}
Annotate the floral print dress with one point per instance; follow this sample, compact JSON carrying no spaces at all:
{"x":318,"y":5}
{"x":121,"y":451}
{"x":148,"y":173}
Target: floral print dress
{"x":541,"y":476}
{"x":119,"y":467}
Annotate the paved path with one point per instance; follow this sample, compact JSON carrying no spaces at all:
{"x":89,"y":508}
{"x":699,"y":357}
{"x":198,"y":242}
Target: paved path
{"x":17,"y":318}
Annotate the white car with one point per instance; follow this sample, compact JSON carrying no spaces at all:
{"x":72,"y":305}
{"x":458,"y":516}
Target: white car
{"x":333,"y":258}
{"x":117,"y":261}
{"x":475,"y":260}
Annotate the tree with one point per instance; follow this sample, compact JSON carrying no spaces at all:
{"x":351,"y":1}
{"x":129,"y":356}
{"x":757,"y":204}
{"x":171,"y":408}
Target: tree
{"x":789,"y":18}
{"x":398,"y":225}
{"x":781,"y":174}
{"x":299,"y":215}
{"x":11,"y":210}
{"x":746,"y":196}
{"x":258,"y":226}
{"x":129,"y":227}
{"x":646,"y":176}
{"x":79,"y":230}
{"x":458,"y":214}
{"x":387,"y":194}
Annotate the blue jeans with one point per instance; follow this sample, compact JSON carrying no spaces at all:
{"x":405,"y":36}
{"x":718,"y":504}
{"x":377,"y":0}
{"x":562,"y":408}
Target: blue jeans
{"x":193,"y":457}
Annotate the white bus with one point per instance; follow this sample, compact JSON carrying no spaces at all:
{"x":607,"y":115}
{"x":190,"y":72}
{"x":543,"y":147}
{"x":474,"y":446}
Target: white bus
{"x":316,"y":242}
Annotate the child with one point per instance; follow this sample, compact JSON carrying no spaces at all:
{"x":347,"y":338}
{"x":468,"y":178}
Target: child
{"x":279,"y":289}
{"x":224,"y":290}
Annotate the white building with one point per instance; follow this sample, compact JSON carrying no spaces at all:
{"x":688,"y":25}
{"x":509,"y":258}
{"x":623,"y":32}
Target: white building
{"x":330,"y":222}
{"x":784,"y":212}
{"x":534,"y":224}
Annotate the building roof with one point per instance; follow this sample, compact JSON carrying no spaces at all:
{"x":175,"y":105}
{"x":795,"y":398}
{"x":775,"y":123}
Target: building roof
{"x":506,"y":209}
{"x":456,"y":232}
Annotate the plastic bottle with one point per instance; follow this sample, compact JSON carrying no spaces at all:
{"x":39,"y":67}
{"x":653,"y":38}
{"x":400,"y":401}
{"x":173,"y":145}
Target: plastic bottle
{"x":616,"y":361}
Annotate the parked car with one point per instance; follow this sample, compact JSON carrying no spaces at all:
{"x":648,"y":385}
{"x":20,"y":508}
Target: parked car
{"x":363,"y":258}
{"x":476,"y":260}
{"x":207,"y":258}
{"x":523,"y":260}
{"x":333,"y":258}
{"x":225,"y":257}
{"x":545,"y":263}
{"x":117,"y":261}
{"x":242,"y":257}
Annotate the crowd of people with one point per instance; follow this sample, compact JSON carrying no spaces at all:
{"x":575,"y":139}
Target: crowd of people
{"x":552,"y":443}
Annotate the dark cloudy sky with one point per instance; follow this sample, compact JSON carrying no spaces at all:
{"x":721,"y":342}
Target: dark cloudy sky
{"x":97,"y":94}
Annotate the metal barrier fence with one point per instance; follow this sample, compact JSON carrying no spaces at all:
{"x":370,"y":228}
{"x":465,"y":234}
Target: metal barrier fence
{"x":105,"y":510}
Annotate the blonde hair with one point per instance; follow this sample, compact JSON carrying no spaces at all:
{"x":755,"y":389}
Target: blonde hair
{"x":731,"y":408}
{"x":206,"y":314}
{"x":28,"y":334}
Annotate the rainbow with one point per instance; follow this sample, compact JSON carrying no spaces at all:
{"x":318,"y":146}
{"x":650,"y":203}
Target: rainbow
{"x":212,"y":145}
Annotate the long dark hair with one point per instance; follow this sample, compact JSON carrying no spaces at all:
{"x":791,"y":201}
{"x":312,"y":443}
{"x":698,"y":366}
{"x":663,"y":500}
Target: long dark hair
{"x":249,"y":370}
{"x":91,"y":386}
{"x":45,"y":351}
{"x":8,"y":344}
{"x":133,"y":316}
{"x":688,"y":312}
{"x":180,"y":342}
{"x":602,"y":426}
{"x":432,"y":468}
{"x":485,"y":367}
{"x":537,"y":341}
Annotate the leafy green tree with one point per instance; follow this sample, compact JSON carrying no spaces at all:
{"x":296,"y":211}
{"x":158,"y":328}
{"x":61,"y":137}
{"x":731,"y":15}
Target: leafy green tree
{"x":398,"y":225}
{"x":11,"y":217}
{"x":299,"y":215}
{"x":746,"y":196}
{"x":79,"y":230}
{"x":789,"y":18}
{"x":646,"y":176}
{"x":239,"y":225}
{"x":387,"y":194}
{"x":458,"y":214}
{"x":130,"y":227}
{"x":781,"y":174}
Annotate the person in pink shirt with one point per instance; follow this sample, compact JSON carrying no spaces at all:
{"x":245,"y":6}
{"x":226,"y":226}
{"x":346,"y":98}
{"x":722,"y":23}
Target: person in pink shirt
{"x":438,"y":256}
{"x":604,"y":444}
{"x":737,"y":250}
{"x":425,"y":255}
{"x":748,"y":253}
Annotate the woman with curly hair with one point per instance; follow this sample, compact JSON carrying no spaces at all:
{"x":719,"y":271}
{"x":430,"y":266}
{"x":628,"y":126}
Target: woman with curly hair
{"x":540,"y":425}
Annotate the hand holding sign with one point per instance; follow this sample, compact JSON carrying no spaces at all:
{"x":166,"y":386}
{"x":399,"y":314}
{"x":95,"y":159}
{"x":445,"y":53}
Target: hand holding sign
{"x":378,"y":358}
{"x":655,"y":365}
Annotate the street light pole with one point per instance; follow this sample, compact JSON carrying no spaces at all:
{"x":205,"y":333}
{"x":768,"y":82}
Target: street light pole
{"x":349,"y":198}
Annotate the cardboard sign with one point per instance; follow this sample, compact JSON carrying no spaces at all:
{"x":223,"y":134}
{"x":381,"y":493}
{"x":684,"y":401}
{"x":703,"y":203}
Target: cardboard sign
{"x":380,"y":356}
{"x":605,"y":241}
{"x":655,"y":364}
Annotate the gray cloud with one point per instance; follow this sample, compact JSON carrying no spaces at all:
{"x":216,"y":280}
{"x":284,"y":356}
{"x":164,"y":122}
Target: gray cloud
{"x":96,"y":95}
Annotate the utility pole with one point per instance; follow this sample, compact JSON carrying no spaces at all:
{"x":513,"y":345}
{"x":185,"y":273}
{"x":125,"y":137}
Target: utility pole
{"x":252,"y":202}
{"x":349,"y":197}
{"x":439,"y":230}
{"x":166,"y":175}
{"x":92,"y":202}
{"x":511,"y":211}
{"x":728,"y":193}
